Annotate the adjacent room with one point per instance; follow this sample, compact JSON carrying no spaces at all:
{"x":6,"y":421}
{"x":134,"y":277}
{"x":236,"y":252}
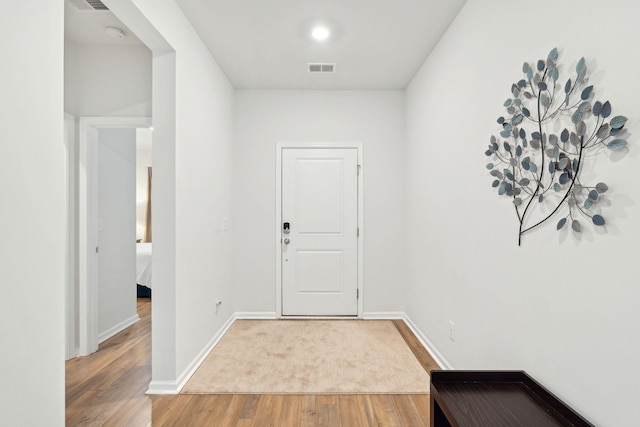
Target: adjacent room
{"x":393,"y":108}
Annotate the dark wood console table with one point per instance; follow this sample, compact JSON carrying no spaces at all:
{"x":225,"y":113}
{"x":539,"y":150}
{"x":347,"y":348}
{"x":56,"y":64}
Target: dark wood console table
{"x":496,"y":398}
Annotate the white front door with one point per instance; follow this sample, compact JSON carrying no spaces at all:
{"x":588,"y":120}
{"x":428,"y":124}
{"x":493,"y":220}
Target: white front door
{"x":319,"y":231}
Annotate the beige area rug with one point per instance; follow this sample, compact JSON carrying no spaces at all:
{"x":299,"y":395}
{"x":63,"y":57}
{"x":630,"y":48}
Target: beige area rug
{"x":310,"y":357}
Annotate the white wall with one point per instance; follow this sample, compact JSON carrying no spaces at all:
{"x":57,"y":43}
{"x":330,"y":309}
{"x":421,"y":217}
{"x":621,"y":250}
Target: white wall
{"x":564,"y":309}
{"x":143,"y":161}
{"x":32,"y":225}
{"x":116,"y":216}
{"x":192,"y":114}
{"x":107,"y":80}
{"x":264,"y":118}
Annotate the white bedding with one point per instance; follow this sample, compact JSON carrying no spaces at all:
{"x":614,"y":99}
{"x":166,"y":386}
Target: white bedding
{"x":143,"y":264}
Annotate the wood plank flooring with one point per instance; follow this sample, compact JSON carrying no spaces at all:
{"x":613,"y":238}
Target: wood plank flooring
{"x":108,"y":388}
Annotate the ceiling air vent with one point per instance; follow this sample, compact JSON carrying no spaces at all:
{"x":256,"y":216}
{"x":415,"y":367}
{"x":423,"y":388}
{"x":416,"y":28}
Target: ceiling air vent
{"x":89,"y":4}
{"x":321,"y":68}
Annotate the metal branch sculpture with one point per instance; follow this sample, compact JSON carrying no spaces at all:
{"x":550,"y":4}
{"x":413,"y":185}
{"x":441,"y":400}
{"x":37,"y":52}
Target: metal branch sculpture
{"x":531,"y":165}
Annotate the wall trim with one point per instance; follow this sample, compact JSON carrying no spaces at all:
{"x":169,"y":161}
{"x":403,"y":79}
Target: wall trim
{"x":103,"y":336}
{"x":437,"y":356}
{"x":383,"y":315}
{"x":267,"y":315}
{"x":174,"y":387}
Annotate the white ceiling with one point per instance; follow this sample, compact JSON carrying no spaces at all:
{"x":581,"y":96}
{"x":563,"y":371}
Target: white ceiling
{"x":266,"y":44}
{"x":86,"y":27}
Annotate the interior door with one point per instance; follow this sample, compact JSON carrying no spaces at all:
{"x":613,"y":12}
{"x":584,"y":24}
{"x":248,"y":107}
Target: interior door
{"x":319,"y":232}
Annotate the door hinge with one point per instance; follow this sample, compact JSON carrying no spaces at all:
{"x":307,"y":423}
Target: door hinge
{"x":357,"y":293}
{"x":359,"y":166}
{"x":358,"y":232}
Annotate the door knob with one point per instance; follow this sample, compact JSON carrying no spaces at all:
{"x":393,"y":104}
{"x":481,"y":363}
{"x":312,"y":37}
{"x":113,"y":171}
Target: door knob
{"x":287,"y":241}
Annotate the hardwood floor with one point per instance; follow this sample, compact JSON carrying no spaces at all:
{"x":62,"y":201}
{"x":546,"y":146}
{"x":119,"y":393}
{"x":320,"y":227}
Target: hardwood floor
{"x":108,"y":388}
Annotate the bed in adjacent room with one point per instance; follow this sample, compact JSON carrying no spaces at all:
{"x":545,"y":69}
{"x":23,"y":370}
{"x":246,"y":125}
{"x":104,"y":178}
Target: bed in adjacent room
{"x":143,"y":269}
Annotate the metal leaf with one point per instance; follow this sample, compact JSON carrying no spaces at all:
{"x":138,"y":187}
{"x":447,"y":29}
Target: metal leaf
{"x":556,"y":187}
{"x":593,"y":195}
{"x":604,"y":130}
{"x":536,"y":135}
{"x":561,"y":223}
{"x":507,"y":147}
{"x":564,"y":135}
{"x":500,"y":120}
{"x":495,"y":183}
{"x":511,"y":110}
{"x":503,"y":188}
{"x":553,"y":55}
{"x":508,"y":102}
{"x":535,"y":144}
{"x":606,"y":110}
{"x":567,"y":86}
{"x":576,"y":117}
{"x":553,"y":139}
{"x":542,"y":86}
{"x":518,"y":119}
{"x":581,"y":128}
{"x":580,"y":66}
{"x":552,"y":167}
{"x":496,"y":173}
{"x":540,"y":198}
{"x":597,"y":107}
{"x":597,"y":220}
{"x":522,"y":83}
{"x":525,"y":165}
{"x":505,"y":133}
{"x":513,"y":162}
{"x":509,"y":176}
{"x":528,"y":95}
{"x":601,"y":187}
{"x":586,"y":92}
{"x":523,"y":133}
{"x":517,"y":201}
{"x":518,"y":151}
{"x":525,"y":67}
{"x":577,"y":188}
{"x":489,"y":166}
{"x":618,"y":122}
{"x":533,"y":167}
{"x":524,"y":182}
{"x":617,"y":144}
{"x":585,"y":106}
{"x":562,"y":164}
{"x":563,"y":178}
{"x":541,"y":65}
{"x":544,"y":100}
{"x":575,"y":226}
{"x":587,"y":203}
{"x":574,"y":139}
{"x":488,"y":153}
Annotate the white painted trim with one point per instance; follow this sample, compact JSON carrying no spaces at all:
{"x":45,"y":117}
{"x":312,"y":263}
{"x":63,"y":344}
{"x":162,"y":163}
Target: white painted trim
{"x":118,"y":328}
{"x":174,"y":387}
{"x":248,"y":315}
{"x":384,"y":315}
{"x":87,"y":224}
{"x":437,"y":356}
{"x":70,"y":133}
{"x":279,"y":147}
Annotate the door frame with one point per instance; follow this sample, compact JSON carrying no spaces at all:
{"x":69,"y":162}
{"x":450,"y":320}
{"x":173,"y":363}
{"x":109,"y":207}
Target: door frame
{"x":280,"y":147}
{"x":88,"y":224}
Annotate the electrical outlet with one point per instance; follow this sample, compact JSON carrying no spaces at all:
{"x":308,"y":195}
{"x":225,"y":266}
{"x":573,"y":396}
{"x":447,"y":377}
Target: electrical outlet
{"x":218,"y":304}
{"x":452,"y":331}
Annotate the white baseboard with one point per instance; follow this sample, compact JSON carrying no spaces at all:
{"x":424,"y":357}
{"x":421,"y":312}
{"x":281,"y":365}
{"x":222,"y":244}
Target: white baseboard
{"x":437,"y":356}
{"x":118,"y":328}
{"x":255,"y":315}
{"x":383,"y":315}
{"x":174,"y":387}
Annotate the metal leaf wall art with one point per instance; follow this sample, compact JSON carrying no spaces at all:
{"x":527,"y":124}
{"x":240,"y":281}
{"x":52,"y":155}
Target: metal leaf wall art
{"x":550,"y":130}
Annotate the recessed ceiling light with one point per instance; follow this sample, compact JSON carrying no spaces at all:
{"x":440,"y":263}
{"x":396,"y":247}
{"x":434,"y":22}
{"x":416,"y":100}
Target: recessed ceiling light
{"x":320,"y":33}
{"x":115,"y":32}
